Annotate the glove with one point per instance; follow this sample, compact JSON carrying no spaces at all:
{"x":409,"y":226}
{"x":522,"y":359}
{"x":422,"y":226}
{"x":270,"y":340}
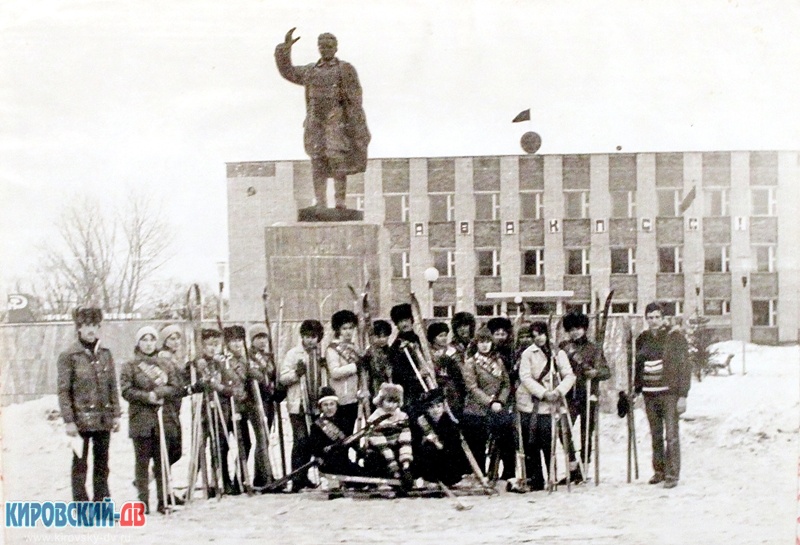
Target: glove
{"x":550,"y":396}
{"x":300,"y":369}
{"x":497,"y":406}
{"x":72,"y":430}
{"x":162,"y":391}
{"x":623,"y":405}
{"x":681,"y":405}
{"x":153,"y":398}
{"x":115,"y":425}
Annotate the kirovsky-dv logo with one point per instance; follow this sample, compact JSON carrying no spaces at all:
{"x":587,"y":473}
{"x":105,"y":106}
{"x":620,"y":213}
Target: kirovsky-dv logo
{"x":73,"y":514}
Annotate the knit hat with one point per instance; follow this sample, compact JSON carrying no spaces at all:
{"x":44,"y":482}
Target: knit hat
{"x":343,"y":317}
{"x":87,"y":315}
{"x":436,"y":329}
{"x":167,"y":331}
{"x":392,"y":392}
{"x":256,"y":330}
{"x":431,"y":397}
{"x":208,"y":333}
{"x":401,"y":312}
{"x":500,"y":322}
{"x":312,"y":328}
{"x":146,"y":330}
{"x":326,"y":393}
{"x":234,"y":333}
{"x":381,"y":327}
{"x":575,"y":320}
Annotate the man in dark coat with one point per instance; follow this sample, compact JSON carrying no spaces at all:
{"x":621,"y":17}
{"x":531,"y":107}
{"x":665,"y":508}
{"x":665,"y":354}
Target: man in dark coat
{"x":663,"y":375}
{"x":409,"y":368}
{"x":89,"y":401}
{"x":336,"y":134}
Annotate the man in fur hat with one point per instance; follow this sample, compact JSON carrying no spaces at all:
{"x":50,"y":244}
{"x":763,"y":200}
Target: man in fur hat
{"x":409,"y":368}
{"x":89,"y":401}
{"x":343,"y":356}
{"x":302,"y":374}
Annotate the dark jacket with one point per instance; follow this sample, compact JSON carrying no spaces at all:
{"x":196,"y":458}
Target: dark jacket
{"x":137,"y":379}
{"x":585,"y":355}
{"x":670,"y":347}
{"x":87,"y":388}
{"x":405,"y":345}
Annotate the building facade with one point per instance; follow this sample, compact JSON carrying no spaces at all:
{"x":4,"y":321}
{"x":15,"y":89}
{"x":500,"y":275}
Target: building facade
{"x":716,"y":233}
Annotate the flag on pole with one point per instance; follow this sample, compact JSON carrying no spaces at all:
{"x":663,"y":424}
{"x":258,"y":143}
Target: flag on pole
{"x":688,"y":200}
{"x":524,"y":115}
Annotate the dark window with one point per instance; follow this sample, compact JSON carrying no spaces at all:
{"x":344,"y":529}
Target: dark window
{"x":669,"y":259}
{"x":533,"y":262}
{"x":761,"y":313}
{"x":621,"y":261}
{"x":541,"y":308}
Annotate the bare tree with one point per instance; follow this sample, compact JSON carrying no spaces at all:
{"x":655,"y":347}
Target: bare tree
{"x":101,"y":257}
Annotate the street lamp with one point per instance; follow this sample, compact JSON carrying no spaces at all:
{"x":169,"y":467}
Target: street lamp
{"x":744,"y":267}
{"x":518,"y":302}
{"x":698,"y":279}
{"x":431,"y":275}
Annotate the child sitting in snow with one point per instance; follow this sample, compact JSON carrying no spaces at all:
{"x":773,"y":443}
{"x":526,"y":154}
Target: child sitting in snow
{"x":392,"y":437}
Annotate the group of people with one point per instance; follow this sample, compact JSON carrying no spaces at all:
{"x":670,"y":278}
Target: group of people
{"x":462,"y":400}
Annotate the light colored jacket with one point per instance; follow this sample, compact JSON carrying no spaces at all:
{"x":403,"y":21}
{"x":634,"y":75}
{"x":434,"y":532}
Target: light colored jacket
{"x":532,"y":363}
{"x":344,"y":374}
{"x":291,"y":380}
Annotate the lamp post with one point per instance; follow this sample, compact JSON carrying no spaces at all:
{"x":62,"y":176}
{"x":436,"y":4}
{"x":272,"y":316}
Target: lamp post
{"x":431,"y":275}
{"x":744,"y":267}
{"x":518,"y":302}
{"x":221,"y":269}
{"x":698,"y":278}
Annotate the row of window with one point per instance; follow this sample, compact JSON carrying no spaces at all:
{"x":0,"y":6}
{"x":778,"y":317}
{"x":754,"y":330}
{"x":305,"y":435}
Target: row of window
{"x":764,"y":312}
{"x":763,"y":202}
{"x":576,"y":260}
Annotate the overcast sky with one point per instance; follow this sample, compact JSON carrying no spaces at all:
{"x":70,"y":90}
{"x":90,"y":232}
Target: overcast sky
{"x":98,"y":96}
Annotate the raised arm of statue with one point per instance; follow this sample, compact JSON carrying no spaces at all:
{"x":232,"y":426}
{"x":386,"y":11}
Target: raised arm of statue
{"x":283,"y":58}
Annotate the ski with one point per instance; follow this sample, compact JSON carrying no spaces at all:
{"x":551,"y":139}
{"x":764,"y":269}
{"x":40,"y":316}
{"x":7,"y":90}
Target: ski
{"x":274,"y":354}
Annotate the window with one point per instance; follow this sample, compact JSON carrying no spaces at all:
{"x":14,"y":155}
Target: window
{"x":672,"y":308}
{"x":578,"y":261}
{"x":576,"y":204}
{"x":487,"y":310}
{"x":396,"y":208}
{"x":355,"y":202}
{"x":487,"y":206}
{"x":541,"y":308}
{"x":716,"y":307}
{"x":764,"y":202}
{"x":401,"y":267}
{"x":488,"y":263}
{"x":669,"y":202}
{"x":442,"y":207}
{"x":576,"y":306}
{"x":533,"y":262}
{"x":765,"y":313}
{"x":623,"y":204}
{"x":717,"y":202}
{"x":623,"y":261}
{"x":717,"y":259}
{"x":531,"y":205}
{"x":445,"y":262}
{"x":623,"y":308}
{"x":443,"y":311}
{"x":765,"y":258}
{"x":670,"y":260}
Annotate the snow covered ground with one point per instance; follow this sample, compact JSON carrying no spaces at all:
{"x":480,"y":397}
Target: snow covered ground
{"x":739,"y":446}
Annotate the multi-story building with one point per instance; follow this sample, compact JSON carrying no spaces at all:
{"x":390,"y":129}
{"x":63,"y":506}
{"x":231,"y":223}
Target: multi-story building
{"x":585,"y":223}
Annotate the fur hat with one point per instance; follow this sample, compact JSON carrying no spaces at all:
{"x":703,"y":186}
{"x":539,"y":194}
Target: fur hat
{"x":500,"y":322}
{"x":381,"y":327}
{"x":234,"y":333}
{"x":326,"y":393}
{"x":312,"y":328}
{"x":401,"y":312}
{"x":87,"y":315}
{"x":343,"y":317}
{"x":431,"y":397}
{"x":208,"y":333}
{"x":146,"y":330}
{"x":462,"y":319}
{"x":436,"y":329}
{"x":389,"y":391}
{"x":575,"y":320}
{"x":256,"y":330}
{"x":167,"y":331}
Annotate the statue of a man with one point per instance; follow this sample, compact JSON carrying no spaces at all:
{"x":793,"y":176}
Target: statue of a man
{"x":336,"y":134}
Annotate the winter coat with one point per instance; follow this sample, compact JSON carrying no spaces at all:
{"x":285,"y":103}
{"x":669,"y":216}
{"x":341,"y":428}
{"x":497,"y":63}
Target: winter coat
{"x":532,"y":365}
{"x":87,"y":388}
{"x":172,"y":403}
{"x":670,"y":347}
{"x":405,"y":345}
{"x":342,"y":361}
{"x":315,"y":379}
{"x":487,"y":381}
{"x":450,"y":378}
{"x":140,"y":376}
{"x":584,"y":355}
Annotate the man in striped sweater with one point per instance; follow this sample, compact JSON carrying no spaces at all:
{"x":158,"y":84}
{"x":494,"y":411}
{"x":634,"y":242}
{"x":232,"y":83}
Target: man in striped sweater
{"x":663,"y":376}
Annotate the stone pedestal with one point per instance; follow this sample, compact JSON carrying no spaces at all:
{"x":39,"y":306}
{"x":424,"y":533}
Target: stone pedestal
{"x":317,"y":214}
{"x":309,"y":266}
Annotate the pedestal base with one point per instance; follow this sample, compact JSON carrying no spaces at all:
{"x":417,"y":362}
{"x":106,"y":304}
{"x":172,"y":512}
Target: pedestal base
{"x":314,"y":214}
